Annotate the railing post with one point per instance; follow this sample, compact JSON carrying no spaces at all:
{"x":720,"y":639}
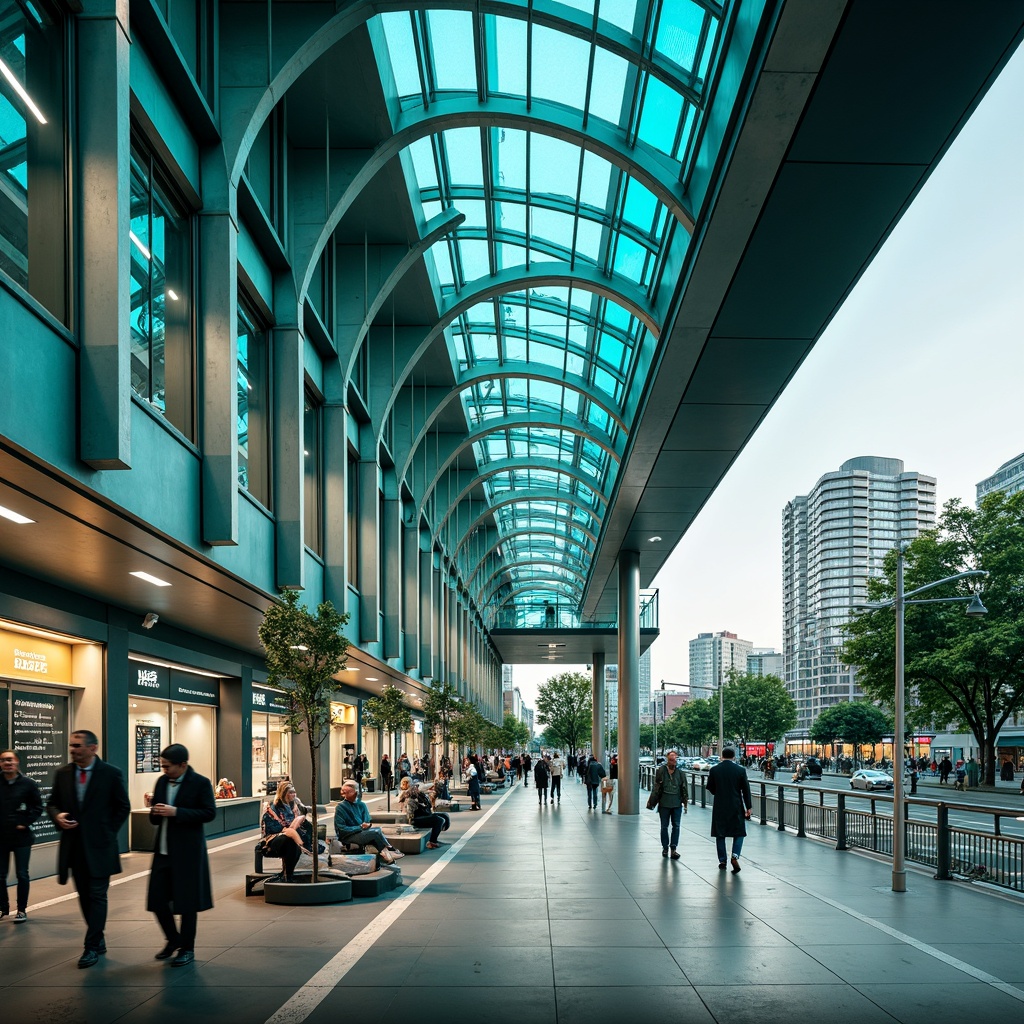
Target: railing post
{"x":782,"y":808}
{"x":841,"y":821}
{"x":942,"y":871}
{"x":764,"y":804}
{"x":800,"y":813}
{"x":703,"y":790}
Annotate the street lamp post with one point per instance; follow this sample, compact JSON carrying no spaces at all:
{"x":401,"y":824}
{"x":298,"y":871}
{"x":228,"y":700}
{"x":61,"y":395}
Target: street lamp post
{"x":899,"y":604}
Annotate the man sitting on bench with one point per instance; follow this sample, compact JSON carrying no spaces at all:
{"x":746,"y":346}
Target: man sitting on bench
{"x":354,"y":828}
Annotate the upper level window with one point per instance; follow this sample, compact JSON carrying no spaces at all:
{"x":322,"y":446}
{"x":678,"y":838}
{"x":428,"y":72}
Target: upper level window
{"x":33,"y":208}
{"x":264,"y":169}
{"x":191,"y":25}
{"x":160,"y":249}
{"x":253,"y":387}
{"x":313,"y":477}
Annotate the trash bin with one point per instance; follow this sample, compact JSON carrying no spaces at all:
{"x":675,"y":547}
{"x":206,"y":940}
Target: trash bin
{"x":370,"y":785}
{"x":973,"y":773}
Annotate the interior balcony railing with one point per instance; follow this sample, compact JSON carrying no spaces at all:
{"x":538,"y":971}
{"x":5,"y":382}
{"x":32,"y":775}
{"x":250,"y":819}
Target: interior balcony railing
{"x":543,"y":615}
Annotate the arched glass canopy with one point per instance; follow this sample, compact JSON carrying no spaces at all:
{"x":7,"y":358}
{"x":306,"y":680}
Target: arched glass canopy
{"x":583,"y":183}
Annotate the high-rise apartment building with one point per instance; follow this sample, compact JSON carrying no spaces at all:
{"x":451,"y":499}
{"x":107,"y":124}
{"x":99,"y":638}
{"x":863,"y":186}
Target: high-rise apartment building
{"x":833,"y":540}
{"x":1008,"y":478}
{"x":712,"y":656}
{"x":645,"y":682}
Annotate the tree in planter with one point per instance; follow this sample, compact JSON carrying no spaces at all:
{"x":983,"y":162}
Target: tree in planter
{"x":440,"y":708}
{"x":303,"y":653}
{"x":388,"y":713}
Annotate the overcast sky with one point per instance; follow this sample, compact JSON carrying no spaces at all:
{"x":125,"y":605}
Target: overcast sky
{"x":922,"y":363}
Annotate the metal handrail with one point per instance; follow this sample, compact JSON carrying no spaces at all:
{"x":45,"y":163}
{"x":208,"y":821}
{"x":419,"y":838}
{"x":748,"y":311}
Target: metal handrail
{"x":953,"y":851}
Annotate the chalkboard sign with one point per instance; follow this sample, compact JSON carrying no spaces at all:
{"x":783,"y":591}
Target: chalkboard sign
{"x":147,"y":749}
{"x":39,"y":734}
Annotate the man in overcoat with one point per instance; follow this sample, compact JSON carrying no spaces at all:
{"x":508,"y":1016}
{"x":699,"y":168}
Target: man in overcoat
{"x":728,"y":782}
{"x":89,"y":804}
{"x":179,"y":882}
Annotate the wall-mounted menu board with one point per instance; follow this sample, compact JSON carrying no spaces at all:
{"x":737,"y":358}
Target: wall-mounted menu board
{"x":147,"y":748}
{"x":39,"y":733}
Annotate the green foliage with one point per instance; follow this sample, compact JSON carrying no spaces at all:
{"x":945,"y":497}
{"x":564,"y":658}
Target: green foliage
{"x":691,"y":725}
{"x":565,"y":706}
{"x":439,"y":708}
{"x":303,"y":652}
{"x":388,"y":711}
{"x":469,"y":727}
{"x":967,"y":672}
{"x":856,"y":722}
{"x":512,"y":734}
{"x":757,"y":708}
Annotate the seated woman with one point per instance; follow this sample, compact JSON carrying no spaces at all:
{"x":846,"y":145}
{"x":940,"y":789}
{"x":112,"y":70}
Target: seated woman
{"x":419,"y":812}
{"x":287,"y":832}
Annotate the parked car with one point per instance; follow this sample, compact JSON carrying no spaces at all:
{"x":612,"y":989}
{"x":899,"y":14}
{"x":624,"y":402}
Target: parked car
{"x":700,"y":765}
{"x":870,"y":778}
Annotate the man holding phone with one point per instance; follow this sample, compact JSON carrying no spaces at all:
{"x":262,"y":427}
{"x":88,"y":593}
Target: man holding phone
{"x":89,"y":804}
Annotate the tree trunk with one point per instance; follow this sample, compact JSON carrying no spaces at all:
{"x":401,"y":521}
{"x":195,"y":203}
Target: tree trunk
{"x":313,"y":796}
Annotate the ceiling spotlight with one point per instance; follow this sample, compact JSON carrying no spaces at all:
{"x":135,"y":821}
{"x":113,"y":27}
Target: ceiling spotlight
{"x":654,"y":539}
{"x":150,"y":620}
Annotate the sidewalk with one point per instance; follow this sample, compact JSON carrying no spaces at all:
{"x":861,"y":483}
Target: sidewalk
{"x":555,"y":915}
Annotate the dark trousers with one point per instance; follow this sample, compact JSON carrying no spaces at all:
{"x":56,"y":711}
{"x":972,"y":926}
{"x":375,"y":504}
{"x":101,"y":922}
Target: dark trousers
{"x":21,"y":856}
{"x":591,"y":795}
{"x":92,"y":898}
{"x":162,"y":890}
{"x":287,"y":849}
{"x":556,"y":787}
{"x":434,"y":822}
{"x":542,"y":792}
{"x":670,"y":816}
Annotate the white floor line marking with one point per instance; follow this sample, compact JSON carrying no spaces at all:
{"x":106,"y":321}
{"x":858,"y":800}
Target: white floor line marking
{"x":121,"y":879}
{"x":951,"y":961}
{"x":313,"y":992}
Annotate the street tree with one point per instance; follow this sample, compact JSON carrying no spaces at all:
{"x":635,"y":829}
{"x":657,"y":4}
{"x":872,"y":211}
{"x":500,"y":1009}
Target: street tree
{"x":968,"y":672}
{"x":856,"y":722}
{"x":565,"y":706}
{"x":388,"y":713}
{"x":303,"y":652}
{"x":440,"y":706}
{"x":757,"y":708}
{"x":693,"y":724}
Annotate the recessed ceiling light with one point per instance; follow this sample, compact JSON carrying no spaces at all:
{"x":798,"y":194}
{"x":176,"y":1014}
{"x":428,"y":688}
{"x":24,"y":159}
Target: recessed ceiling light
{"x":654,"y":539}
{"x":372,"y":679}
{"x":155,"y":580}
{"x":172,"y":295}
{"x":15,"y":517}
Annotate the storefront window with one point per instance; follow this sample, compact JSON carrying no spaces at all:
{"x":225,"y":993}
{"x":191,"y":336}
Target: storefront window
{"x":33,"y":222}
{"x":271,"y":740}
{"x":253,"y":387}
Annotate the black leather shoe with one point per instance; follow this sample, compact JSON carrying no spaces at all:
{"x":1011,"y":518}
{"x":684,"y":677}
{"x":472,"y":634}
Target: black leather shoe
{"x":183,"y":959}
{"x":167,"y":952}
{"x":664,"y":851}
{"x":88,"y":958}
{"x":675,"y":854}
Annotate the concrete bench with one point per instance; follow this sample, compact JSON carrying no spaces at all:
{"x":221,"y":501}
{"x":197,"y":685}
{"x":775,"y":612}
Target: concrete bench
{"x":413,"y":842}
{"x":375,"y":883}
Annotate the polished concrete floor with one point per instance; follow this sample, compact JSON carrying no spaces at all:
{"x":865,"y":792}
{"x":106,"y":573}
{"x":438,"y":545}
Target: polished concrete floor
{"x":546,"y":914}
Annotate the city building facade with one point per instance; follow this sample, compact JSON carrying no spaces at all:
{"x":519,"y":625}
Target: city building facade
{"x":712,"y":657}
{"x":765,"y":661}
{"x":833,"y":540}
{"x":1008,"y":478}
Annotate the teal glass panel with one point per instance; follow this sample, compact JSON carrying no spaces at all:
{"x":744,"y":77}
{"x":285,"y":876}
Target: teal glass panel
{"x":402,"y":51}
{"x":422,"y":153}
{"x":639,"y":207}
{"x":607,"y":92}
{"x":451,"y":46}
{"x":474,"y":259}
{"x":506,"y":60}
{"x":509,"y":158}
{"x":629,"y":259}
{"x":485,"y":348}
{"x":442,"y":262}
{"x":465,"y":165}
{"x":542,"y":255}
{"x":559,"y":67}
{"x":510,"y":217}
{"x":659,"y":120}
{"x":476,"y":214}
{"x":619,"y":12}
{"x":515,"y":348}
{"x":679,"y":32}
{"x":511,"y":255}
{"x":552,"y":225}
{"x":616,"y":315}
{"x":596,"y":181}
{"x":605,"y":382}
{"x":554,"y":166}
{"x":611,"y":351}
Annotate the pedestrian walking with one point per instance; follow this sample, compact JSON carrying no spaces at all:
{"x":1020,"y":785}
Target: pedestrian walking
{"x":387,"y":774}
{"x":527,"y":768}
{"x":728,"y":782}
{"x":571,"y":763}
{"x":541,"y":774}
{"x":945,"y":767}
{"x":593,"y":775}
{"x":181,"y":803}
{"x":20,"y":806}
{"x":474,"y":775}
{"x":89,"y":804}
{"x":557,"y":771}
{"x":668,"y":795}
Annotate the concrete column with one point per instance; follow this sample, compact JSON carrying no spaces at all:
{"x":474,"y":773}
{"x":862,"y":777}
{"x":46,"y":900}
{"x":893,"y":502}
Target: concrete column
{"x":629,"y":682}
{"x":426,"y":609}
{"x":597,"y":720}
{"x":288,"y":397}
{"x":335,"y":442}
{"x":102,"y":129}
{"x":234,"y":732}
{"x":440,"y":619}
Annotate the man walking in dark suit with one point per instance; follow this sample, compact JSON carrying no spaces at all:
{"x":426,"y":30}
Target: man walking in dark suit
{"x":728,"y":782}
{"x":179,"y":882}
{"x":89,"y":804}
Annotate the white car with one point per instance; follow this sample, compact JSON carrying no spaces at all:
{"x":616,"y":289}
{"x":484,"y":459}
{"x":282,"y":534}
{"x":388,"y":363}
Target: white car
{"x":700,"y":765}
{"x":870,"y":778}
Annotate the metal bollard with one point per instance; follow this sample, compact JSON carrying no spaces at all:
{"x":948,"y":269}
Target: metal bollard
{"x":841,"y":821}
{"x":800,"y":814}
{"x":942,"y":871}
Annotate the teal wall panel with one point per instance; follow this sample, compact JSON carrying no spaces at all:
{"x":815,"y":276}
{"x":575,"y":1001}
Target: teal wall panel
{"x":253,"y":557}
{"x":250,"y":259}
{"x":313,"y":570}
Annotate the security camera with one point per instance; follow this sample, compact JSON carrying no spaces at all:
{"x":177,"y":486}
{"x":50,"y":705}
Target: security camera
{"x":150,"y":620}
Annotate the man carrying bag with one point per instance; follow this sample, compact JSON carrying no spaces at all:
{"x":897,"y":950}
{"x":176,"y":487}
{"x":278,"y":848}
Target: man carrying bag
{"x":668,"y":795}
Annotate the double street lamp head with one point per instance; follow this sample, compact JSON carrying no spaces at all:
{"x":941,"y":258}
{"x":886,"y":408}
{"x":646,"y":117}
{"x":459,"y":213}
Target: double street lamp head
{"x":976,"y":609}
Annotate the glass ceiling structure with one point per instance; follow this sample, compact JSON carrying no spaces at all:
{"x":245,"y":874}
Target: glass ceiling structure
{"x":565,"y":138}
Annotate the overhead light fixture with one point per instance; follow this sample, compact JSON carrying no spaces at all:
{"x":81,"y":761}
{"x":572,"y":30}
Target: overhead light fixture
{"x":654,"y":539}
{"x":150,"y":620}
{"x":155,"y":580}
{"x":172,"y":295}
{"x":298,"y":647}
{"x":20,"y":90}
{"x":15,"y":517}
{"x":372,"y":679}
